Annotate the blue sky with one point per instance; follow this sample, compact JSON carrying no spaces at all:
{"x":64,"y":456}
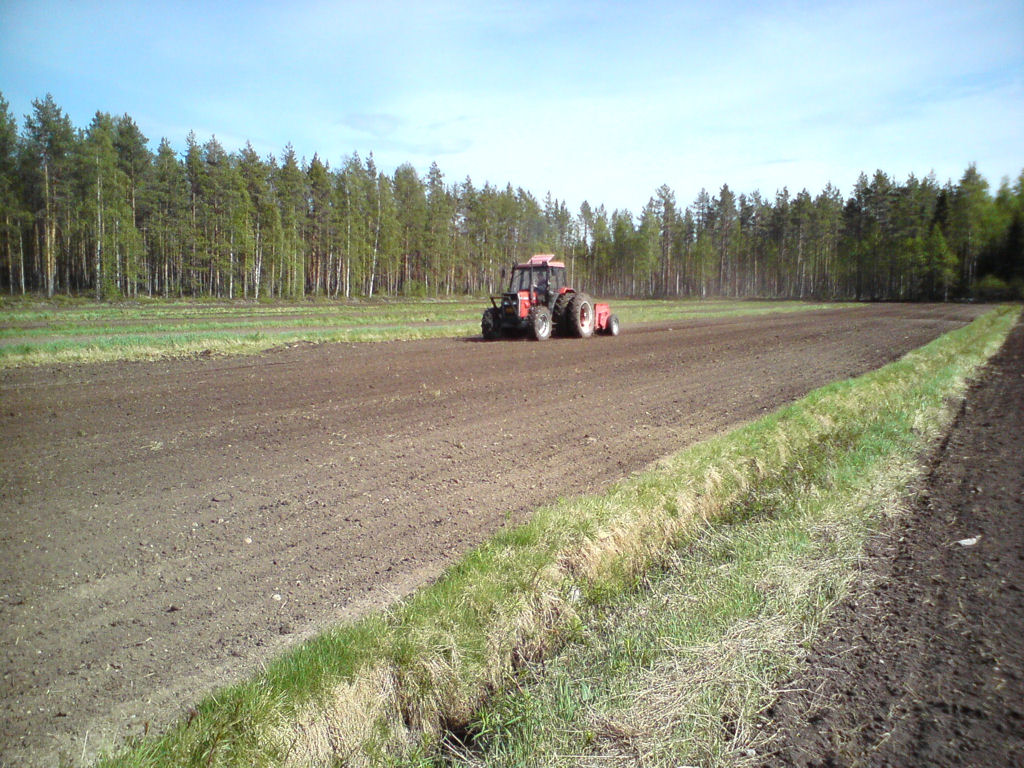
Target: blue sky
{"x":603,"y":101}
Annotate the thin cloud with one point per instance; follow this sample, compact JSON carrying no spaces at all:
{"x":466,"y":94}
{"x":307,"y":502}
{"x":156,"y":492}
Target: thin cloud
{"x":377,"y":125}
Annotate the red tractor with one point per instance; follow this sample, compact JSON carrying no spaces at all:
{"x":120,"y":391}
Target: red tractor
{"x":539,"y":302}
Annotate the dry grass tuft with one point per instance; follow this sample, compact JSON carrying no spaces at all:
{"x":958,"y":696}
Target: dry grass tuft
{"x":343,"y":726}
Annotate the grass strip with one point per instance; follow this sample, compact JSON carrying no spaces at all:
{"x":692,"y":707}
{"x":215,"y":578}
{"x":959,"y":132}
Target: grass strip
{"x":149,"y":322}
{"x":151,"y":330}
{"x":148,"y":347}
{"x":392,"y":688}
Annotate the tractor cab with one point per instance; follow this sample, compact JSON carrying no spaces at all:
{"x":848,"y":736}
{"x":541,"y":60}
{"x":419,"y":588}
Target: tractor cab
{"x":537,"y":281}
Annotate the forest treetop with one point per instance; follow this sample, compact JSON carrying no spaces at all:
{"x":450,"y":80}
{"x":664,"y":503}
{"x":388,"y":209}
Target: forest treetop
{"x":96,"y":211}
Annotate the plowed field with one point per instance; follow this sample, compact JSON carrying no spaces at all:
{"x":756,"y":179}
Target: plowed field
{"x":166,"y":526}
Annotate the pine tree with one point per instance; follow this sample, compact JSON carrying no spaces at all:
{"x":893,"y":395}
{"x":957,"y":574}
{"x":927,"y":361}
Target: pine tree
{"x":12,"y":211}
{"x":135,"y":162}
{"x":265,"y":221}
{"x":319,"y":227}
{"x":384,"y":228}
{"x":829,"y":207}
{"x":195,"y":173}
{"x":601,"y":250}
{"x":968,"y":214}
{"x":802,"y":214}
{"x":411,"y":209}
{"x":647,"y":248}
{"x":104,"y":187}
{"x":293,"y":199}
{"x":216,"y":192}
{"x":725,"y":233}
{"x":168,"y":191}
{"x":352,"y":192}
{"x":439,"y":238}
{"x":49,"y":144}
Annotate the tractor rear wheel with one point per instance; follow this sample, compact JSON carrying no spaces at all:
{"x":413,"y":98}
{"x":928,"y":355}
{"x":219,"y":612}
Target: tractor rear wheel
{"x":581,"y":316}
{"x":540,"y":322}
{"x":490,"y":324}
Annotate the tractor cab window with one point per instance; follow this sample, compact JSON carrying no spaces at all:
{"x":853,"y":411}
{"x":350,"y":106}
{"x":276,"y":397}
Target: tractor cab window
{"x":557,"y":279}
{"x":520,"y":280}
{"x":543,"y":277}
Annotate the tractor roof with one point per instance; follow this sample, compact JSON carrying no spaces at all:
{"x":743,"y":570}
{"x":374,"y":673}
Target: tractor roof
{"x":541,"y":260}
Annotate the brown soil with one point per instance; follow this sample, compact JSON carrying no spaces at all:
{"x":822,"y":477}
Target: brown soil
{"x":168,"y":526}
{"x":926,"y":667}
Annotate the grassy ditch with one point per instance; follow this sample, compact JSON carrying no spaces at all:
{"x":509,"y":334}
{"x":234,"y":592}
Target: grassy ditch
{"x":32,"y":333}
{"x":664,"y":609}
{"x":678,"y":667}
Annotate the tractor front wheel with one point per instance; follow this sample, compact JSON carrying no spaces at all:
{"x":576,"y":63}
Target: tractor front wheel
{"x":540,"y":322}
{"x":612,"y":328}
{"x":581,"y":316}
{"x":490,"y":324}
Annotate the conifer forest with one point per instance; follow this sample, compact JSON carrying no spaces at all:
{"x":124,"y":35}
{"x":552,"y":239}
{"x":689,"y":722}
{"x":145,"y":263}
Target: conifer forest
{"x":94,"y":211}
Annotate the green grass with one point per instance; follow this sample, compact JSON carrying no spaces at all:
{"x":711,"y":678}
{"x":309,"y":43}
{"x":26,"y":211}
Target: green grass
{"x":612,"y":628}
{"x":35,"y":333}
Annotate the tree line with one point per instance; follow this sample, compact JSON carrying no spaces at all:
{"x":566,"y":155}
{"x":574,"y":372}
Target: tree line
{"x":96,"y":212}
